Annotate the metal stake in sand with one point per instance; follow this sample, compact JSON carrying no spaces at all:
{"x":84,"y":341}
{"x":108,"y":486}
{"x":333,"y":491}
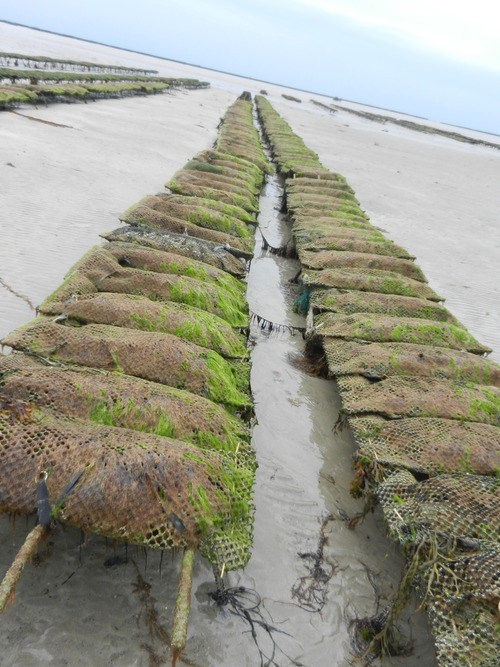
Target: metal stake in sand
{"x":182,"y":605}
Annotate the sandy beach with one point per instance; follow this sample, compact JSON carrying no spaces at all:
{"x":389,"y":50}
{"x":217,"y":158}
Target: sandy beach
{"x":67,"y":173}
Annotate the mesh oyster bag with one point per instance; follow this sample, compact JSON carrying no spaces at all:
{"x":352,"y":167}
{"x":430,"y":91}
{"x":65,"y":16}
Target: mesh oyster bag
{"x":137,"y":487}
{"x":377,"y":360}
{"x":379,"y":327}
{"x":322,"y":259}
{"x":116,"y":399}
{"x":139,"y":312}
{"x":424,"y":445}
{"x":158,"y":357}
{"x":348,"y":302}
{"x":449,"y":526}
{"x":180,"y":245}
{"x":421,"y":397}
{"x":369,"y":280}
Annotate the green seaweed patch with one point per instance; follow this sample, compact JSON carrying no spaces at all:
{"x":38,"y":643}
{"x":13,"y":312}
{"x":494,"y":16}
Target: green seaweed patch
{"x":434,"y":334}
{"x":232,"y":309}
{"x":197,"y":165}
{"x":220,"y":223}
{"x":208,"y":330}
{"x":229,"y":382}
{"x":232,"y":490}
{"x":487,"y":410}
{"x":114,"y":414}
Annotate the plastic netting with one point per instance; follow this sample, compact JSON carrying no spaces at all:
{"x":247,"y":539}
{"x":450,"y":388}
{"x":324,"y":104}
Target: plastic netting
{"x":116,"y":399}
{"x":346,"y":217}
{"x":350,"y":243}
{"x":137,"y":487}
{"x":210,"y":186}
{"x":461,"y":507}
{"x":180,"y":245}
{"x":158,"y":357}
{"x":323,"y":259}
{"x":425,"y":446}
{"x":143,"y":215}
{"x":318,"y":185}
{"x":349,"y":302}
{"x":378,"y":360}
{"x":148,"y":259}
{"x":107,"y":273}
{"x":139,"y":312}
{"x":232,"y":164}
{"x":420,"y":397}
{"x":377,"y":327}
{"x":450,"y":525}
{"x":370,"y":280}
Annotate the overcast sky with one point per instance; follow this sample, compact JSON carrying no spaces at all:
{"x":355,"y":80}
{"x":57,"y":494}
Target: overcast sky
{"x":439,"y":59}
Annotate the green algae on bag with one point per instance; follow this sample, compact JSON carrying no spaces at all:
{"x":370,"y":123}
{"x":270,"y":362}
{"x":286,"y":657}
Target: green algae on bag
{"x":158,"y":357}
{"x":425,"y":446}
{"x":378,"y":327}
{"x":369,"y":280}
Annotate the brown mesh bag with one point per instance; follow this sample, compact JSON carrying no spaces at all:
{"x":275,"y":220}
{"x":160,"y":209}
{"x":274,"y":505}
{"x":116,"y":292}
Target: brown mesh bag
{"x":451,"y":526}
{"x":239,"y":137}
{"x":304,"y":234}
{"x":375,"y":327}
{"x":320,"y":174}
{"x":315,"y":228}
{"x":136,"y":487}
{"x":324,"y":259}
{"x":425,"y":446}
{"x":153,"y":356}
{"x":460,"y":506}
{"x":420,"y":397}
{"x":234,"y":222}
{"x":140,"y":214}
{"x":387,"y":359}
{"x":233,"y":165}
{"x":115,"y":399}
{"x":133,"y":256}
{"x":341,"y":243}
{"x":234,"y":145}
{"x":139,"y":312}
{"x":105,"y":271}
{"x":331,"y":201}
{"x":349,"y":302}
{"x":345,"y":216}
{"x":138,"y":257}
{"x":463,"y":610}
{"x":180,"y":245}
{"x":370,"y":280}
{"x":228,"y":182}
{"x":242,"y":179}
{"x":317,"y":186}
{"x":327,"y":218}
{"x":203,"y":185}
{"x":190,"y":202}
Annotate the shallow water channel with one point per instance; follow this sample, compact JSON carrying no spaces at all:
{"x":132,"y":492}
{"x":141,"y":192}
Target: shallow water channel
{"x":309,"y":573}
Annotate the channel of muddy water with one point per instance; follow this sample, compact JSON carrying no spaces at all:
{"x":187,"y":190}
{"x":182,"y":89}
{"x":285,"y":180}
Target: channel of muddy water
{"x":310,"y":573}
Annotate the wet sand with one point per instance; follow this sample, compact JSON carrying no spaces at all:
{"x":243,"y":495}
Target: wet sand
{"x":67,"y":185}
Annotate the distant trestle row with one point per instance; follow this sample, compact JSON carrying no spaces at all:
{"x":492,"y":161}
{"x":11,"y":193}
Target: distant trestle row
{"x":46,"y":80}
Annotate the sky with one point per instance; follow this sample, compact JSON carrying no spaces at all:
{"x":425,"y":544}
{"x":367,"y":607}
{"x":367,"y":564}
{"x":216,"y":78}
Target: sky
{"x":439,"y":59}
